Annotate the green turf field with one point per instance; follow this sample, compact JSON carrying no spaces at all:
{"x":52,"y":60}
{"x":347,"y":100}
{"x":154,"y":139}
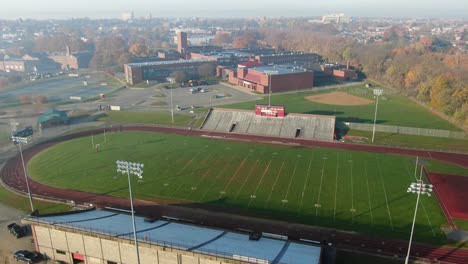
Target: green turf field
{"x":152,"y":118}
{"x":315,"y":186}
{"x":393,"y":109}
{"x":401,"y":140}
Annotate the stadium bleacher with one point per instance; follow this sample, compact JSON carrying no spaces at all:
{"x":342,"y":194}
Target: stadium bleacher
{"x":314,"y":127}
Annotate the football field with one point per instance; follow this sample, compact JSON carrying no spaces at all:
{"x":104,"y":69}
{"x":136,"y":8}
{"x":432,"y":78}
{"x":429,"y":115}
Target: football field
{"x":349,"y":190}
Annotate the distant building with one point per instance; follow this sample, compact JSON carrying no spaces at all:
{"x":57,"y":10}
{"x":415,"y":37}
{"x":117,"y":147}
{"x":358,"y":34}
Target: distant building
{"x":47,"y":62}
{"x":72,"y":61}
{"x":181,"y":41}
{"x":287,"y":57}
{"x":52,"y":118}
{"x":336,"y":18}
{"x":160,"y":70}
{"x":127,"y":16}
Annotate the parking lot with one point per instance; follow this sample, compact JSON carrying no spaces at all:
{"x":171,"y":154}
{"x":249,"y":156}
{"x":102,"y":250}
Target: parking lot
{"x":61,"y":88}
{"x":204,"y":96}
{"x":8,"y":243}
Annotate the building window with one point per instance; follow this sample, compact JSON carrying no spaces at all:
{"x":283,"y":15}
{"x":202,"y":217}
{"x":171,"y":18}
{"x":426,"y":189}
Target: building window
{"x":111,"y":262}
{"x":61,"y":252}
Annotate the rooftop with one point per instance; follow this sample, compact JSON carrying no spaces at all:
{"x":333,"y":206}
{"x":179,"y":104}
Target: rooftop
{"x":152,"y":63}
{"x":186,"y":237}
{"x":278,"y":69}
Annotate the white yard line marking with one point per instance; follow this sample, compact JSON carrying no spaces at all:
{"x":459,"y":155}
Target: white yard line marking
{"x":305,"y":186}
{"x":336,"y":184}
{"x":353,"y":210}
{"x":188,"y":163}
{"x":260,"y":182}
{"x":317,"y":205}
{"x":290,"y":182}
{"x":233,"y":176}
{"x":182,"y":184}
{"x":202,"y":178}
{"x":427,"y":217}
{"x":274,"y":184}
{"x":368,"y":193}
{"x":214,"y":181}
{"x":247,"y":178}
{"x":385,"y":193}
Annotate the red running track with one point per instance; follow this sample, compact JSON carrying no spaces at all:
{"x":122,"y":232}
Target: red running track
{"x":12,"y":175}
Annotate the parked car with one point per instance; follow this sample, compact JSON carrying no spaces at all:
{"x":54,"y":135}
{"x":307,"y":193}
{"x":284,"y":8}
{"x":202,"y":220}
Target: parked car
{"x":16,"y":230}
{"x":25,"y":256}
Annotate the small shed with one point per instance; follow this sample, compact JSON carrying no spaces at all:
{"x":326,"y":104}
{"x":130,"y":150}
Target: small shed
{"x":52,"y":118}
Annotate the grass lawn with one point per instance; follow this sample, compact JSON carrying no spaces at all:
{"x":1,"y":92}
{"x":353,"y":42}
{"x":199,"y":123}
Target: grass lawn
{"x":316,"y":186}
{"x":392,"y":139}
{"x":159,"y":103}
{"x":344,"y":257}
{"x":461,"y":224}
{"x":153,"y":117}
{"x":22,"y":203}
{"x":393,"y":109}
{"x":4,"y":136}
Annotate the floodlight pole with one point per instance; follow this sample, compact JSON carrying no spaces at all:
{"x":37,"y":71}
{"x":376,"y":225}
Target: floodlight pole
{"x":269,"y":73}
{"x":133,"y":215}
{"x":171,"y":80}
{"x":19,"y":141}
{"x":124,"y":166}
{"x":377,"y":92}
{"x":269,"y":89}
{"x":420,"y":187}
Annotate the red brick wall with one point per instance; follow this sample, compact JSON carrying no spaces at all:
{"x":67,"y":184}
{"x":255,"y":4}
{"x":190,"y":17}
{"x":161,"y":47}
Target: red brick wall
{"x":280,"y":82}
{"x":290,"y":82}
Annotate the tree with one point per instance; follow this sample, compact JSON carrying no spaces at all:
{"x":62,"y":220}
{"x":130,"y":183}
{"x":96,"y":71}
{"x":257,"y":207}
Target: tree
{"x":140,"y":50}
{"x":108,"y":52}
{"x":24,"y":99}
{"x":222,"y":39}
{"x":246,"y":40}
{"x":124,"y":59}
{"x":179,"y":76}
{"x":440,"y":94}
{"x":206,"y":70}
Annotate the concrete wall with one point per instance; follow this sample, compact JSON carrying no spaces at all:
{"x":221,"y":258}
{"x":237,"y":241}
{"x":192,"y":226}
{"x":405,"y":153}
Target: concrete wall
{"x":61,"y":244}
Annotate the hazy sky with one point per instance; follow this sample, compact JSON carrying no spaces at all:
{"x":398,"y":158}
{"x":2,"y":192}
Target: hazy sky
{"x":44,"y":9}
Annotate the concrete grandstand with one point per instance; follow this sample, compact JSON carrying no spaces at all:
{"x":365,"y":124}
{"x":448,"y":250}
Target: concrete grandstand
{"x":313,"y":127}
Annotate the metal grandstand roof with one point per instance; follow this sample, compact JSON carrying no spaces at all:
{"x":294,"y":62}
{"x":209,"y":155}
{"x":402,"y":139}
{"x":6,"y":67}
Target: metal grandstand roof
{"x":186,"y":237}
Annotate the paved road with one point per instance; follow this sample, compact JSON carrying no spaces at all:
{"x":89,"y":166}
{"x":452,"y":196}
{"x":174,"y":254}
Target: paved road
{"x":12,"y":175}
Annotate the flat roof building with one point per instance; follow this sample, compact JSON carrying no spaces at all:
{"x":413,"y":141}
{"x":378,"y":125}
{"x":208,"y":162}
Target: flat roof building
{"x":160,"y":70}
{"x":278,"y":78}
{"x":95,"y":236}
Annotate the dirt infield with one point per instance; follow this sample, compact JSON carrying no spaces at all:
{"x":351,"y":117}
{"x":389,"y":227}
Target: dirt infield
{"x":12,"y":175}
{"x":452,"y":194}
{"x":338,"y":98}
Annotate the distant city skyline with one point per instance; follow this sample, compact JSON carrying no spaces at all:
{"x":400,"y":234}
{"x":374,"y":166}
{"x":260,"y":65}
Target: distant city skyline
{"x":59,"y":9}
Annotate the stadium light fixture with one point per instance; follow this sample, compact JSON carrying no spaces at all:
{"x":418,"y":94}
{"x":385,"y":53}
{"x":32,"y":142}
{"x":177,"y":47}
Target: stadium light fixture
{"x":419,"y":188}
{"x":19,"y":141}
{"x":377,"y":93}
{"x":134,"y":168}
{"x":171,"y":80}
{"x":269,"y":73}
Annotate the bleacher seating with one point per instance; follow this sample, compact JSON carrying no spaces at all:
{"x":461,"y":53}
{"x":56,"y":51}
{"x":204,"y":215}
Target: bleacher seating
{"x":313,"y":127}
